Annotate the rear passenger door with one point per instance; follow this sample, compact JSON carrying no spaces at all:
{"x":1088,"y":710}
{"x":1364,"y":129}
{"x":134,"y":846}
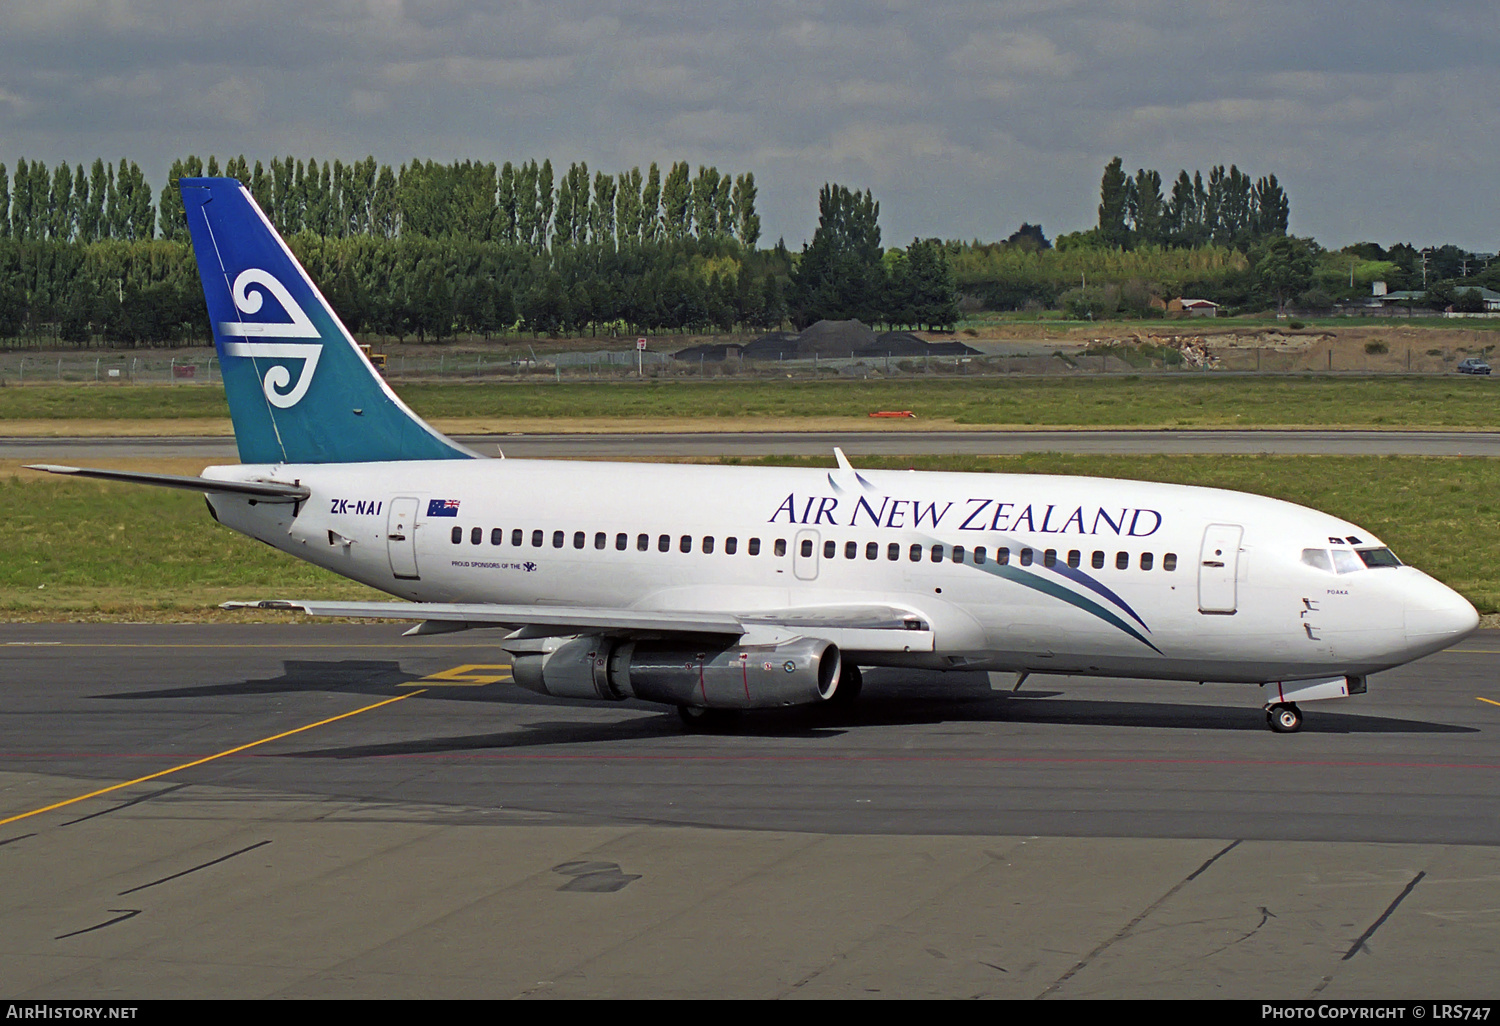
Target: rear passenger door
{"x":401,"y":537}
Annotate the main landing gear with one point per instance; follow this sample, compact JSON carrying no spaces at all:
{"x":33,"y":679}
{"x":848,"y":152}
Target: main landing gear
{"x":1284,"y":717}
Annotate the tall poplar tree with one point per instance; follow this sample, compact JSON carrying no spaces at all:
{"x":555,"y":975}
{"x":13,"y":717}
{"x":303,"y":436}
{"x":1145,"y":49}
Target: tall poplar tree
{"x":676,"y":198}
{"x":1113,"y":190}
{"x":651,"y":205}
{"x":746,"y":220}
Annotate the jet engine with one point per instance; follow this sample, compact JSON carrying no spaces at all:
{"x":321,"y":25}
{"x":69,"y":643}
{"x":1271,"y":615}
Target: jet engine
{"x":709,"y":675}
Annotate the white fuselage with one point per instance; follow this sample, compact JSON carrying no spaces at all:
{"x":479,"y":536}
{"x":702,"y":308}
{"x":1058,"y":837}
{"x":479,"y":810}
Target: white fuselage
{"x":1013,"y":572}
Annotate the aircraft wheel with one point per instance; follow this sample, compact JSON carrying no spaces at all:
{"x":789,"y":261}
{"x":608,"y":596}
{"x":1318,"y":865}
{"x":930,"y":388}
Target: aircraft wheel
{"x":1284,"y":718}
{"x":697,"y":718}
{"x":851,"y":682}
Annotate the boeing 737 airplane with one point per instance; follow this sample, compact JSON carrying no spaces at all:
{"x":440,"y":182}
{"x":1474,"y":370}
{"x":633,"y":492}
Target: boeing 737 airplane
{"x":719,"y":588}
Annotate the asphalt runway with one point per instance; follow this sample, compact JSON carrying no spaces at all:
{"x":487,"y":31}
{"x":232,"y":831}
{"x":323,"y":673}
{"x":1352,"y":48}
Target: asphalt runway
{"x":413,"y":825}
{"x":890,"y":442}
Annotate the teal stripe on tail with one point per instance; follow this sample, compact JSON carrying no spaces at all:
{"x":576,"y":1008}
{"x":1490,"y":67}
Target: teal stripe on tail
{"x":299,"y":389}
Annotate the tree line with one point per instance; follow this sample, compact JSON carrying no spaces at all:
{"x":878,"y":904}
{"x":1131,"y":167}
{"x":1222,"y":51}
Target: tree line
{"x":1226,"y":210}
{"x":515,"y":204}
{"x":428,"y":251}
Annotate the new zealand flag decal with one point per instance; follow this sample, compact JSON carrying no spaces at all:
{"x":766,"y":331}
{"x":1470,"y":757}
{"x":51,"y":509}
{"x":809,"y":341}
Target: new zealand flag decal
{"x":442,"y":507}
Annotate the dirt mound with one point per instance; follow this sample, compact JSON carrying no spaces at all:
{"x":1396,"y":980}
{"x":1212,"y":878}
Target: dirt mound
{"x":829,"y":340}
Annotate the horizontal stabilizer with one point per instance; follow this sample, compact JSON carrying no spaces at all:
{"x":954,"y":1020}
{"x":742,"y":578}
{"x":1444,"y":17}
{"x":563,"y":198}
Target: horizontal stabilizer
{"x":266,"y":491}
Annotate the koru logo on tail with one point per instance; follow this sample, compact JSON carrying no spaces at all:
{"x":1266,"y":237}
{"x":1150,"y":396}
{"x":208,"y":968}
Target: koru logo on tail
{"x":276,"y":379}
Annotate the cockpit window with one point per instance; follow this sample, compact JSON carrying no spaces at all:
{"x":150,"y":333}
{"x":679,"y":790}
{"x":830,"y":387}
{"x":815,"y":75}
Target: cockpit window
{"x":1346,"y":562}
{"x":1377,"y":558}
{"x":1318,"y":558}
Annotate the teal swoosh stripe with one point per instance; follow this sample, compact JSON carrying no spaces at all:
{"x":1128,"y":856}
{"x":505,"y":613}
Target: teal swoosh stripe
{"x":1046,"y":587}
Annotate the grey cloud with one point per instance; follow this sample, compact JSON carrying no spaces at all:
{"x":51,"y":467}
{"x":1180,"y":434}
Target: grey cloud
{"x":964,"y":117}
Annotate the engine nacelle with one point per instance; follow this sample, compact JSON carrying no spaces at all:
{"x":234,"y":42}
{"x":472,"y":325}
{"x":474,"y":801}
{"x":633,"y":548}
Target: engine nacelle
{"x":796,"y":671}
{"x":575,"y":667}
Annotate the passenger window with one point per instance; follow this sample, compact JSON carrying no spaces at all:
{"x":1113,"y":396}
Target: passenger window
{"x":730,"y":545}
{"x":780,"y":546}
{"x":937,"y":553}
{"x":1049,"y":557}
{"x":753,"y":548}
{"x":643,"y":543}
{"x":664,"y":543}
{"x":979,"y":555}
{"x":577,"y":540}
{"x":497,"y":536}
{"x":476,"y":536}
{"x":1025,"y":557}
{"x":1169,"y":561}
{"x":1075,"y":558}
{"x":830,"y":549}
{"x":872,"y":550}
{"x":916,"y":553}
{"x":851,"y":550}
{"x":1002,"y":556}
{"x":1097,"y":561}
{"x":708,"y":545}
{"x":515,"y":537}
{"x":536,"y":539}
{"x":958,"y":553}
{"x":807,"y":546}
{"x":621,"y":540}
{"x":600,"y":540}
{"x":557,"y":539}
{"x":685,"y":543}
{"x":1317,"y":558}
{"x":458,"y":536}
{"x":1146,"y":560}
{"x":1122,"y":561}
{"x":893,"y":551}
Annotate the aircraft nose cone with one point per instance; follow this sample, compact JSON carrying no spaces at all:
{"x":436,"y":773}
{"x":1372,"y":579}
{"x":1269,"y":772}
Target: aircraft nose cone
{"x":1437,"y":613}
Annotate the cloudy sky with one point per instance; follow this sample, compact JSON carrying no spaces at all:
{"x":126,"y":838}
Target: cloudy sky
{"x":1381,"y":118}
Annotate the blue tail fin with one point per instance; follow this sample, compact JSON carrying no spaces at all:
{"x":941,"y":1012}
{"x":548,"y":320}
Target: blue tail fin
{"x":299,"y":389}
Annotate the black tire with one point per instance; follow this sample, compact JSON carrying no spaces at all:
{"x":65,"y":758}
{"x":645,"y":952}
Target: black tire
{"x":851,"y":683}
{"x":699,"y":720}
{"x":1284,"y":718}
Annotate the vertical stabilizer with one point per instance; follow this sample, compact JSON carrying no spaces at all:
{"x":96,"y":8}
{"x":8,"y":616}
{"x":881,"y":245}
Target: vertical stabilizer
{"x":299,"y":389}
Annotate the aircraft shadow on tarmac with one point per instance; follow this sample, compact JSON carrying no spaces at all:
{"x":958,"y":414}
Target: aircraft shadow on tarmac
{"x":891,"y":698}
{"x":374,"y":676}
{"x":874,"y":711}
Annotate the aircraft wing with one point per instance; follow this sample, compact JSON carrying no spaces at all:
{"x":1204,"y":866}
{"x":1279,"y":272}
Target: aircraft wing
{"x":865,"y":628}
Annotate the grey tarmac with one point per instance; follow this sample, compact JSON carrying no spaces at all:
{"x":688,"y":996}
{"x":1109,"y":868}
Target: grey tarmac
{"x":751,"y":444}
{"x":1080,"y":838}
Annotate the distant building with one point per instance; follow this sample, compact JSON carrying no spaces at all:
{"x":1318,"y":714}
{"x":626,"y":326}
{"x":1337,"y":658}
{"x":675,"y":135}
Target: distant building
{"x":1193,"y":307}
{"x":1489,"y":297}
{"x":1405,"y":299}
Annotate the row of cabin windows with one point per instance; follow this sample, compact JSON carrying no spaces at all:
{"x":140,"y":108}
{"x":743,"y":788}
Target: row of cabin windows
{"x":601,"y":541}
{"x":980,"y":555}
{"x":915,"y":553}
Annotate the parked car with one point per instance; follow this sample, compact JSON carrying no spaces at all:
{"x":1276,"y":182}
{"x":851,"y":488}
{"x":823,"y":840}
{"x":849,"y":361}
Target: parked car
{"x":1472,"y":365}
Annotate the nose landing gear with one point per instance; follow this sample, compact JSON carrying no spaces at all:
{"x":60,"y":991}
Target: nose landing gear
{"x":1284,"y":717}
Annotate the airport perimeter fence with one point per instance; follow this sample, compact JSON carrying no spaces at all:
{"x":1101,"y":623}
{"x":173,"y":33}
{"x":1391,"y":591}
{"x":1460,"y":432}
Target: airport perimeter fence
{"x":187,"y":367}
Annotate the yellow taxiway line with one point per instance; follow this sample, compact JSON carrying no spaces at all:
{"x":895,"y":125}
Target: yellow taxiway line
{"x":210,"y":758}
